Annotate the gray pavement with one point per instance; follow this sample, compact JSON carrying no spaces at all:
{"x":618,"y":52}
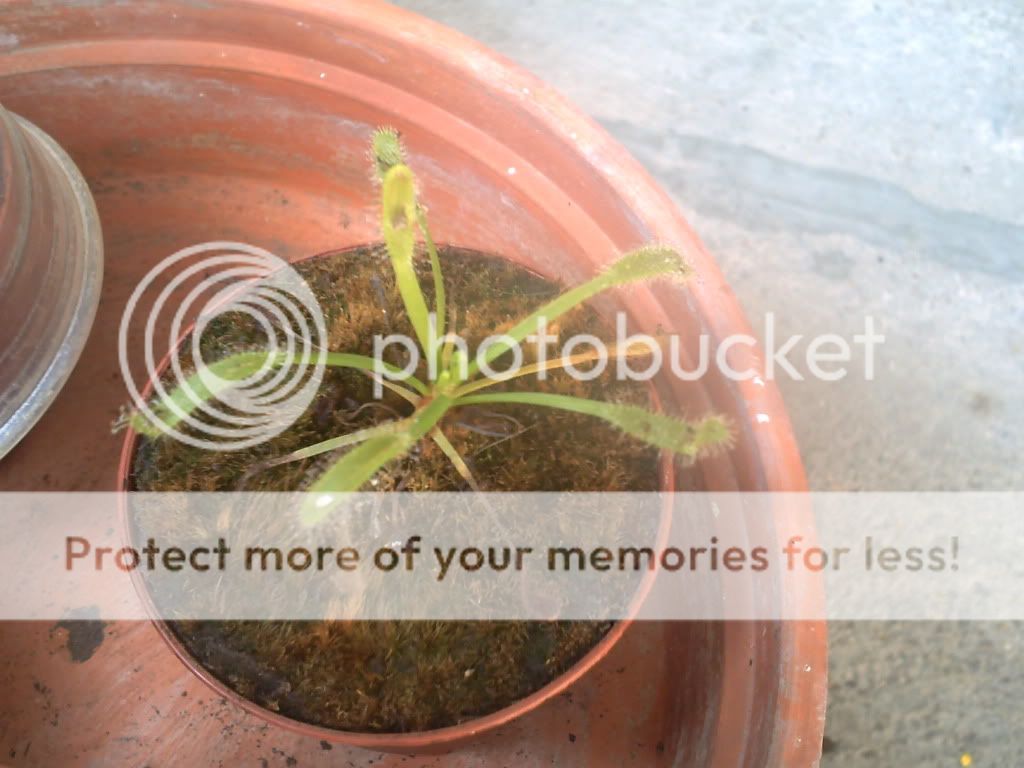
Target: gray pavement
{"x":844,"y":159}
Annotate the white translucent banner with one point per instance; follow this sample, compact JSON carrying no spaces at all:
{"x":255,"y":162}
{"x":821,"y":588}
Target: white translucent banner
{"x":945,"y":556}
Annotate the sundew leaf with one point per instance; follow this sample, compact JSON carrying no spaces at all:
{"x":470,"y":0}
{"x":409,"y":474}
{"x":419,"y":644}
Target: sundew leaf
{"x":614,"y":352}
{"x":351,"y":471}
{"x":435,"y":269}
{"x":342,"y":441}
{"x":366,"y":363}
{"x":686,"y":438}
{"x":183,"y":400}
{"x":348,"y":474}
{"x":387,"y":151}
{"x":398,"y":226}
{"x":455,"y":458}
{"x":646,"y":263}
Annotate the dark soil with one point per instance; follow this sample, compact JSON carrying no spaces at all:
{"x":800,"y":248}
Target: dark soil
{"x":408,"y":676}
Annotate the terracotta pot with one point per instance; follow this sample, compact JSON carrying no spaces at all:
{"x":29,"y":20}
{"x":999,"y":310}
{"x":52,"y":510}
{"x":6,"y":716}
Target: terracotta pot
{"x":249,"y":121}
{"x":51,"y":268}
{"x":426,"y":742}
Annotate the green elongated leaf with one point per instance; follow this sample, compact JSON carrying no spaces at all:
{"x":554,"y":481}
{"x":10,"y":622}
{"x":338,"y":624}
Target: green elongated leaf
{"x":398,"y":225}
{"x":351,"y":471}
{"x":611,"y":353}
{"x":388,"y":152}
{"x":435,"y":269}
{"x":366,"y":363}
{"x":183,"y":400}
{"x":455,"y":458}
{"x":647,"y":263}
{"x":689,"y":439}
{"x":407,"y":395}
{"x":342,"y":441}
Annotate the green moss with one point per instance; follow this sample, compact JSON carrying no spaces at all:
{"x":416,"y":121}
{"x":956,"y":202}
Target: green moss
{"x":402,"y":676}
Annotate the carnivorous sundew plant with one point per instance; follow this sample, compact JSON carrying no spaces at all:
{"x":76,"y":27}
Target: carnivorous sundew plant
{"x":454,"y":380}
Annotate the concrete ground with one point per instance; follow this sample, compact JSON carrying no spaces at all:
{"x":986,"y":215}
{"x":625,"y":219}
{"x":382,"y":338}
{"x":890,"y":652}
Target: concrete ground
{"x":844,"y":159}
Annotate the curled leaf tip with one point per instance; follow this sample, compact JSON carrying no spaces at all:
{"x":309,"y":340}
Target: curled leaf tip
{"x":144,"y":426}
{"x":712,"y":434}
{"x":138,"y":422}
{"x":387,"y":151}
{"x":692,"y":440}
{"x":121,"y":422}
{"x":649,"y":261}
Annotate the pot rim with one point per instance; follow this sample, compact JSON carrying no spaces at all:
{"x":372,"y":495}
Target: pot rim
{"x":446,"y":737}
